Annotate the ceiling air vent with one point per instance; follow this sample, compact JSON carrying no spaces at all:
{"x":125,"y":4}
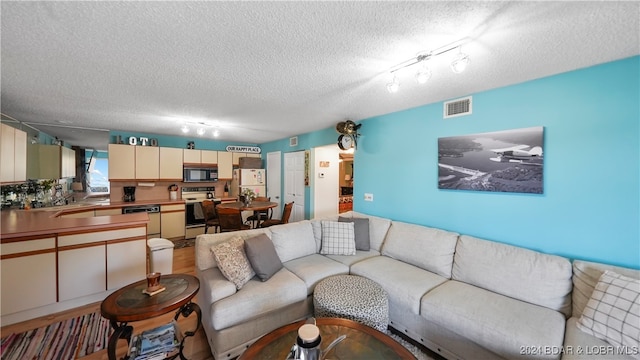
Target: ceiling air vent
{"x":293,"y":141}
{"x":458,"y":107}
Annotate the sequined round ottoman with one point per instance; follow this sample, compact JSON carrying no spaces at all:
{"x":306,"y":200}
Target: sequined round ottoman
{"x":352,"y":297}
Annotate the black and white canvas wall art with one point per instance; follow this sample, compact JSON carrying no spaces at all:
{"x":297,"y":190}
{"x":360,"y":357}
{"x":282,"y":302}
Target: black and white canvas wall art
{"x":501,"y":161}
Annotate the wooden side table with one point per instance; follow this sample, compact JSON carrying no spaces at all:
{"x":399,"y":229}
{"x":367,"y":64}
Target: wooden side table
{"x":131,"y":304}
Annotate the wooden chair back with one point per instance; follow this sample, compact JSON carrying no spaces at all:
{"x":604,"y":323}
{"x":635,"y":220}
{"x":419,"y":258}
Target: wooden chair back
{"x":210,"y":215}
{"x":286,"y":213}
{"x":230,"y":219}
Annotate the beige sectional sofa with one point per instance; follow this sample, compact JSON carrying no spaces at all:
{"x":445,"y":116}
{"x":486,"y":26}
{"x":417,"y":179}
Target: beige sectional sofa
{"x":462,"y":297}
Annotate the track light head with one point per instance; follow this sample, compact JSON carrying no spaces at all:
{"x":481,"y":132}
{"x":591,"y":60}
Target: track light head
{"x":460,"y":62}
{"x":394,"y":85}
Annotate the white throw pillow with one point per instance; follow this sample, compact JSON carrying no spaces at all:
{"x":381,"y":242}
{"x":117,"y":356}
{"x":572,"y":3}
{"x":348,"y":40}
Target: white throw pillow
{"x":338,"y":238}
{"x":233,"y":262}
{"x":613,"y":311}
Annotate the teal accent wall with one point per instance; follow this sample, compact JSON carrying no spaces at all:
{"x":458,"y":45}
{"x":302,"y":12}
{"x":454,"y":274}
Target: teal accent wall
{"x":590,"y":208}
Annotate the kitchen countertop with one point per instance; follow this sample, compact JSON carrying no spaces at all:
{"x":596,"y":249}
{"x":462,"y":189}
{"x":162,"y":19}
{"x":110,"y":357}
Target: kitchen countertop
{"x":26,"y":223}
{"x":41,"y":221}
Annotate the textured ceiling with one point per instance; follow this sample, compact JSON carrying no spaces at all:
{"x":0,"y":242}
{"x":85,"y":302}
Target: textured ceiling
{"x":262,"y":71}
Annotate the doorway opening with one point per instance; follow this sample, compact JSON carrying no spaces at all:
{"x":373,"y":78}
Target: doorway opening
{"x":346,"y":178}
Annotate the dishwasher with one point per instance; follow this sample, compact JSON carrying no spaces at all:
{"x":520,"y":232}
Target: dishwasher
{"x":153,"y":228}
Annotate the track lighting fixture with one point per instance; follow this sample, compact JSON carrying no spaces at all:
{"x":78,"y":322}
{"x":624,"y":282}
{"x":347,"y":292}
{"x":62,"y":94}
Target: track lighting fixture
{"x":201,"y":128}
{"x":458,"y":65}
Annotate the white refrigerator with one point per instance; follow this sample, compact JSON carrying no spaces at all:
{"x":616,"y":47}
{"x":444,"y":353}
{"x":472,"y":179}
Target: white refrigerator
{"x":254,"y":179}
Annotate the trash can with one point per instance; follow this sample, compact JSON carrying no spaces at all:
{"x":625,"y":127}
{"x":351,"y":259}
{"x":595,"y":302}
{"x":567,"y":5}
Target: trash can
{"x":160,"y":255}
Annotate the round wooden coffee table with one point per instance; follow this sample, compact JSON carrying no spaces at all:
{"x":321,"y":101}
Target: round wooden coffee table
{"x":362,"y":342}
{"x":131,"y":304}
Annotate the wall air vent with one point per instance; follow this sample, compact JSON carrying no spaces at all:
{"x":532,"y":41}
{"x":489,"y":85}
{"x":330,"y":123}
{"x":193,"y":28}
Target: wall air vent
{"x":293,"y":141}
{"x":458,"y":107}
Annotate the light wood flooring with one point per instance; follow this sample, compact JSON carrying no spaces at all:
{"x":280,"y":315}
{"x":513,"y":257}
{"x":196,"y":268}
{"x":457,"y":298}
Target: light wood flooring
{"x":196,"y":348}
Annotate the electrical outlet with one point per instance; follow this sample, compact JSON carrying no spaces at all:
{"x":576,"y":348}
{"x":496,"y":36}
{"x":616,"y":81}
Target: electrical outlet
{"x":368,"y":197}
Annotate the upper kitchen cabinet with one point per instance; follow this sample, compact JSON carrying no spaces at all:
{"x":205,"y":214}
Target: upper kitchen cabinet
{"x":147,"y":162}
{"x":13,"y":154}
{"x":122,"y":162}
{"x":50,"y":162}
{"x":225,"y":165}
{"x":200,"y":157}
{"x":171,"y":163}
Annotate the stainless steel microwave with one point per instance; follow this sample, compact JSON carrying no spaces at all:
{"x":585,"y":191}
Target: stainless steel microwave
{"x":195,"y":174}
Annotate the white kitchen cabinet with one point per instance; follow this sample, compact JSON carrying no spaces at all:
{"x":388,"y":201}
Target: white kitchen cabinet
{"x":122,"y":162}
{"x":13,"y":154}
{"x":225,"y":165}
{"x":191,"y":156}
{"x":123,"y":263}
{"x":147,"y":162}
{"x":208,"y":157}
{"x":171,"y":163}
{"x":172,"y":221}
{"x":84,"y":266}
{"x":50,"y":162}
{"x":28,"y":275}
{"x":199,"y":157}
{"x":89,"y":259}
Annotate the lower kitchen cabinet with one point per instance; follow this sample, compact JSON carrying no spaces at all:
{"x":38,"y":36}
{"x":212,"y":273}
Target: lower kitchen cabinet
{"x":123,"y":263}
{"x":100,"y":261}
{"x":172,"y":221}
{"x":28,"y":279}
{"x":83,"y":266}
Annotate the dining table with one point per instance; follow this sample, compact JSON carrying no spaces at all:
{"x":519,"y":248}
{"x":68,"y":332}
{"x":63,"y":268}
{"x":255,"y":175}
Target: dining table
{"x":253,"y":206}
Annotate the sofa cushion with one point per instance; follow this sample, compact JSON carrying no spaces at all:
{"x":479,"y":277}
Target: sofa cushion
{"x":585,"y":277}
{"x":293,"y":240}
{"x":263,"y":256}
{"x":361,"y":231}
{"x":378,"y":228}
{"x":338,"y":238}
{"x":427,"y":248}
{"x":613,"y":312}
{"x":522,"y":274}
{"x":575,"y":339}
{"x":204,"y":242}
{"x":258,"y":298}
{"x":313,"y":268}
{"x":352,"y":259}
{"x":214,"y":286}
{"x":498,"y":323}
{"x":405,"y":284}
{"x":232,"y":261}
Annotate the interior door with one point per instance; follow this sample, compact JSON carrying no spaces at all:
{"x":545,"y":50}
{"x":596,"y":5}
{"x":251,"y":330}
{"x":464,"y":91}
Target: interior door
{"x":274,"y":181}
{"x":294,"y":183}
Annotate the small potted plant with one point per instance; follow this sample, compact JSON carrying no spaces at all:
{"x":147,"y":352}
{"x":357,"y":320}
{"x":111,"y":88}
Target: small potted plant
{"x":247,"y":196}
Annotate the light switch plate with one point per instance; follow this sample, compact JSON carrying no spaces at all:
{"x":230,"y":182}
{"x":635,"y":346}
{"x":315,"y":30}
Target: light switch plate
{"x":368,"y":197}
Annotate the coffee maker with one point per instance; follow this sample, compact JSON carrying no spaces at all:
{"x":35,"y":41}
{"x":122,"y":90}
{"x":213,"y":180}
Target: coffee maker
{"x":129,"y":193}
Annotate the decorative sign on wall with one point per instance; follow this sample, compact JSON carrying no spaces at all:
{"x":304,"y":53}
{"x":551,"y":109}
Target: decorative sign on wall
{"x":244,"y":149}
{"x":324,"y":164}
{"x":142,"y":141}
{"x":501,"y":161}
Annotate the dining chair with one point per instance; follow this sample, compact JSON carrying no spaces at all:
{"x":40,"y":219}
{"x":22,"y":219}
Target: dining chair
{"x":260,"y":215}
{"x":286,"y":213}
{"x":230,"y":219}
{"x":210,"y":215}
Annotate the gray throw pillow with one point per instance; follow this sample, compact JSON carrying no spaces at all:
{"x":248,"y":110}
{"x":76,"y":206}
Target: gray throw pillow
{"x":361,"y":228}
{"x":263,"y":256}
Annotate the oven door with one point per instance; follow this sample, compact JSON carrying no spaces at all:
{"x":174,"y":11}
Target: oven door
{"x":193,"y":214}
